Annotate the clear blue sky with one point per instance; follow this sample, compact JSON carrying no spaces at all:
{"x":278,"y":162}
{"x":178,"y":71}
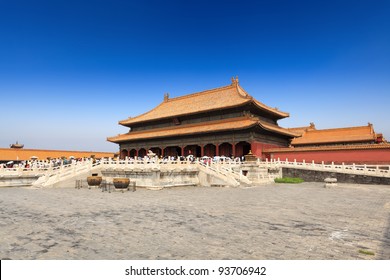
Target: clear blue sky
{"x":70,"y":70}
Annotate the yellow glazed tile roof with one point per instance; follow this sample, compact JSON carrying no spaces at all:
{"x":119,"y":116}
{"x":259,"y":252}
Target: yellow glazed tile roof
{"x":7,"y":154}
{"x":220,"y":98}
{"x":329,"y":148}
{"x":336,"y":135}
{"x":302,"y":129}
{"x":205,"y":127}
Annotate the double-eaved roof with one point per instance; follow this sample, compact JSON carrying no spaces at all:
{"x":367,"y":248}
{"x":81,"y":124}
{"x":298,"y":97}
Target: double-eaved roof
{"x":231,"y":96}
{"x":210,"y":100}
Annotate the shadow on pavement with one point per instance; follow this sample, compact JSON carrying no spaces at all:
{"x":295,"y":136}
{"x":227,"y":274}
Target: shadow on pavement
{"x":384,"y":253}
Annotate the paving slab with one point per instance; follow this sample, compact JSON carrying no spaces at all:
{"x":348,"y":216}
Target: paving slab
{"x":275,"y":221}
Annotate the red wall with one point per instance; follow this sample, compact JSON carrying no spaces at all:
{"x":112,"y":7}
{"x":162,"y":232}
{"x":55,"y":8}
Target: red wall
{"x":257,"y":149}
{"x":373,"y":156}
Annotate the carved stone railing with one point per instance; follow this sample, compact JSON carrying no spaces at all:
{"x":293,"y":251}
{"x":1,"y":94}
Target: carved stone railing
{"x":50,"y":175}
{"x":224,"y":174}
{"x":367,"y":170}
{"x":61,"y":173}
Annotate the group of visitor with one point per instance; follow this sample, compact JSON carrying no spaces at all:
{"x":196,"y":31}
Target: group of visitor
{"x":190,"y":158}
{"x":151,"y":158}
{"x":54,"y":162}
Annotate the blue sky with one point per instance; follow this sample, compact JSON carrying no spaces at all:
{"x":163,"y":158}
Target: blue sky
{"x":70,"y":70}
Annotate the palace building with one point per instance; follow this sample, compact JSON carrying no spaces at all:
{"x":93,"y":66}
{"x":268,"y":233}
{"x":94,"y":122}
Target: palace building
{"x":225,"y":121}
{"x":358,"y":144}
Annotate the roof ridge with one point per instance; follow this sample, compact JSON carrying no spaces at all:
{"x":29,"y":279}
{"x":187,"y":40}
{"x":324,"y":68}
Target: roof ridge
{"x":302,"y":127}
{"x":263,"y":123}
{"x":200,"y":93}
{"x":275,"y":110}
{"x":129,"y":118}
{"x":254,"y":100}
{"x":340,"y":128}
{"x":230,"y":96}
{"x":331,"y":147}
{"x":180,"y":98}
{"x":240,"y":88}
{"x":45,"y":150}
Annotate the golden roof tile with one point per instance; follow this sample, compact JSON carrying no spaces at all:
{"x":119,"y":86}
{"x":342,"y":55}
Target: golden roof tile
{"x":7,"y":154}
{"x":220,"y":98}
{"x":276,"y":128}
{"x":329,"y":148}
{"x":302,"y":129}
{"x":336,"y":135}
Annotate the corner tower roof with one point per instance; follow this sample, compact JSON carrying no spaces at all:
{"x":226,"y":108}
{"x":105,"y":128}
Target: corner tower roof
{"x":225,"y":97}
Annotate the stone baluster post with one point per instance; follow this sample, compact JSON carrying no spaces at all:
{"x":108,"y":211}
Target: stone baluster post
{"x":74,"y":168}
{"x":20,"y":170}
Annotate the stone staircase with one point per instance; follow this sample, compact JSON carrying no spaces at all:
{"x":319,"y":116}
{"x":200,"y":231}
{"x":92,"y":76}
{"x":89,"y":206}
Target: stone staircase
{"x":67,"y":174}
{"x":227,"y":175}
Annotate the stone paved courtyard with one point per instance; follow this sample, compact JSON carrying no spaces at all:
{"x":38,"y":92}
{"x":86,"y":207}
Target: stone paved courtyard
{"x":304,"y":221}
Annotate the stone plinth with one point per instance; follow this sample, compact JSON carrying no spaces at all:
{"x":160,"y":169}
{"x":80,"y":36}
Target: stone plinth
{"x":250,"y":157}
{"x":156,"y":178}
{"x":330,"y":182}
{"x":254,"y":172}
{"x":17,"y":181}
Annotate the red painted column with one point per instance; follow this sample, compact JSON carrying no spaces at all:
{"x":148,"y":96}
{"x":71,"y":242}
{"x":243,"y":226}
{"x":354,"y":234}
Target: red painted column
{"x":234,"y":149}
{"x":182,"y":151}
{"x":217,"y":149}
{"x":201,"y":150}
{"x":256,"y":149}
